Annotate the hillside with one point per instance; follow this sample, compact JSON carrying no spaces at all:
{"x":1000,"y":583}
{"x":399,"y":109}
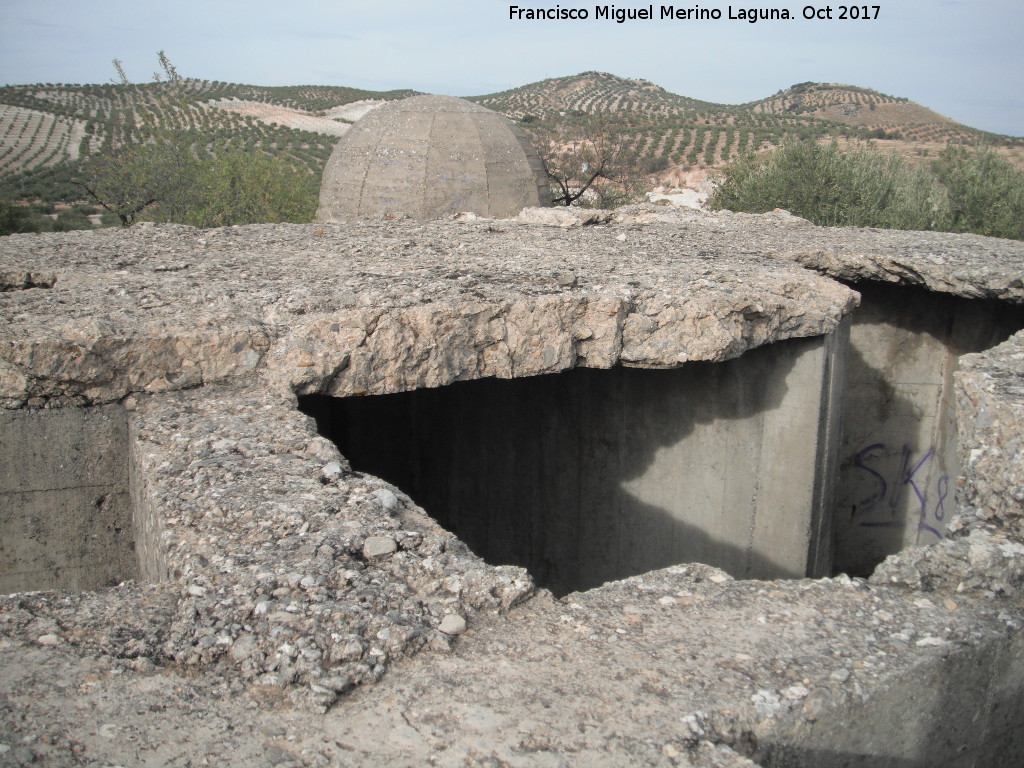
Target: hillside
{"x":590,"y":93}
{"x":665,"y":130}
{"x":865,"y":108}
{"x":46,"y":128}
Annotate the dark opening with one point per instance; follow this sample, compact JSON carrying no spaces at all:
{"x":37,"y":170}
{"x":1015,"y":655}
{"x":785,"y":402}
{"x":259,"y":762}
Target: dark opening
{"x":594,"y":475}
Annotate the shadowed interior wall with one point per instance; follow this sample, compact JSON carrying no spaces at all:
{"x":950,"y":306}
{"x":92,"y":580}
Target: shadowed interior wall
{"x":65,"y":515}
{"x":897,"y":480}
{"x":593,"y":475}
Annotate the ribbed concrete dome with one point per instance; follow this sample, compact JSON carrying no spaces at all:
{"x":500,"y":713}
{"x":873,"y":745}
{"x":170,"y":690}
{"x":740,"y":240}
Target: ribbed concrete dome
{"x":428,"y":157}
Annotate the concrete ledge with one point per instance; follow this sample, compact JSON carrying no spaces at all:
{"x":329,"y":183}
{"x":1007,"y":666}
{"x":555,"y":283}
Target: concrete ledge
{"x":286,"y":571}
{"x":385,"y":307}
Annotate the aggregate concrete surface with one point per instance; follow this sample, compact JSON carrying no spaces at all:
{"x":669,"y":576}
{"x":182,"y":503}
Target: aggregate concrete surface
{"x":311,"y":615}
{"x":341,"y":308}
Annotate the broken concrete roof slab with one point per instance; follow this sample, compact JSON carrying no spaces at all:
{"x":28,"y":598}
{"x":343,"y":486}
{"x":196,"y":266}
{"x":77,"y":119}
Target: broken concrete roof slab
{"x":427,"y":157}
{"x":291,"y":581}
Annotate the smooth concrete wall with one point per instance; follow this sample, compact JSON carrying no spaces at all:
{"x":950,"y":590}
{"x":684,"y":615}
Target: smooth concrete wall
{"x":147,"y":515}
{"x":897,"y":480}
{"x":65,"y":516}
{"x":593,"y":475}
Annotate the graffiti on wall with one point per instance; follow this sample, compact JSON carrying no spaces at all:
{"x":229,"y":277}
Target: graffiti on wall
{"x":912,"y":481}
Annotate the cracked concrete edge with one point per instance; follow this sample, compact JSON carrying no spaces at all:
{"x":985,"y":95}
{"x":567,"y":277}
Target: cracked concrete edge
{"x":390,"y":343}
{"x":855,"y":260}
{"x":121,"y":349}
{"x":989,"y":400}
{"x":379,"y":352}
{"x":238,"y":477}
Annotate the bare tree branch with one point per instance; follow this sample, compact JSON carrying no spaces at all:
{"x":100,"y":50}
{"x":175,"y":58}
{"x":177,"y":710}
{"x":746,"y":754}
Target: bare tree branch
{"x":122,"y":77}
{"x":584,"y":156}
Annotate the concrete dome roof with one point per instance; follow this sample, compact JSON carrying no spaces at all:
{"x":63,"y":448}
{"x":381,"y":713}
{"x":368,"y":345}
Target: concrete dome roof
{"x":428,"y":157}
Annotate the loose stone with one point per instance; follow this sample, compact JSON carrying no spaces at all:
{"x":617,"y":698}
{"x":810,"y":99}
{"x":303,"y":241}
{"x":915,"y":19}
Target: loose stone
{"x":331,"y":471}
{"x":379,"y":546}
{"x":452,"y":624}
{"x":387,"y":499}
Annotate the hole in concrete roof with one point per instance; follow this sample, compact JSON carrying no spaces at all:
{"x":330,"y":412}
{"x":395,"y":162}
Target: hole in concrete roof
{"x":591,"y":475}
{"x":65,"y":508}
{"x":897,"y":477}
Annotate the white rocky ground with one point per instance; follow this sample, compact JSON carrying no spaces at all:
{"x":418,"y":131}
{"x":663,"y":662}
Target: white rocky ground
{"x":353,"y":110}
{"x":289,"y":118}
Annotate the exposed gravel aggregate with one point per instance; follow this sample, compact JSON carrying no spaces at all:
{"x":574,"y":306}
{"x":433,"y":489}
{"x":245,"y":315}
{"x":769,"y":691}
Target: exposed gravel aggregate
{"x":312,"y":615}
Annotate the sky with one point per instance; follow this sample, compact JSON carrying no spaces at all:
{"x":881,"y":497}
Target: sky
{"x":961,"y":58}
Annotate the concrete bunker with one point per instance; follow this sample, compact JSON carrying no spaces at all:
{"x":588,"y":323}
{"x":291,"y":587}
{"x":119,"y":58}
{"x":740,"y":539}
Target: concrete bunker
{"x":921,"y":665}
{"x":797,"y":459}
{"x":65,"y":503}
{"x":428,"y":157}
{"x":590,"y":476}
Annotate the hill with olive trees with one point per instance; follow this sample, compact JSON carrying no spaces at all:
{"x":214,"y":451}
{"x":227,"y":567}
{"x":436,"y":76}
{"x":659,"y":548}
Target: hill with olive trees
{"x":666,"y":130}
{"x":45,"y":129}
{"x":48,"y":129}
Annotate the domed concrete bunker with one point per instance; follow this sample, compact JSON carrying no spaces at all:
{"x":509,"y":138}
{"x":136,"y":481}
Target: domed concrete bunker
{"x":429,"y":157}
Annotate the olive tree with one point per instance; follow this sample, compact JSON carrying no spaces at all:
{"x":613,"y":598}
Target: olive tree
{"x":165,"y":180}
{"x":128,"y":179}
{"x":582,"y":156}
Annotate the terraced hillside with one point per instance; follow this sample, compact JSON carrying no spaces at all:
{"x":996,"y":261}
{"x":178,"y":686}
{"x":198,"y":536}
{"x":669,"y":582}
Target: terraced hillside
{"x":866,"y":108}
{"x":661,"y":129}
{"x":30,"y":138}
{"x":46,"y":129}
{"x":271,"y":114}
{"x":590,"y":93}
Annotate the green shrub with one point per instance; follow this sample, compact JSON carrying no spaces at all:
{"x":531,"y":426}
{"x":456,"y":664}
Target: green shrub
{"x":172,"y":180}
{"x":651,"y":165}
{"x":607,"y":196}
{"x":14,"y":219}
{"x":108,"y":219}
{"x":239,"y":187}
{"x":129,"y":178}
{"x":986,"y":193}
{"x":860,"y":187}
{"x":70,"y":220}
{"x":18,"y":219}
